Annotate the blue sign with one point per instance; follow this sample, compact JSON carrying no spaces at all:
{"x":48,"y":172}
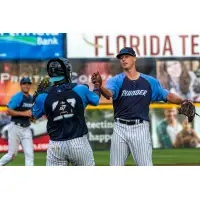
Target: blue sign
{"x":35,"y":46}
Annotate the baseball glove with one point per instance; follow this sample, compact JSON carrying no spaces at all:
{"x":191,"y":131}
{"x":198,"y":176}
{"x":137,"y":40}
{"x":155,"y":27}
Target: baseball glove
{"x":41,"y":87}
{"x":188,"y":109}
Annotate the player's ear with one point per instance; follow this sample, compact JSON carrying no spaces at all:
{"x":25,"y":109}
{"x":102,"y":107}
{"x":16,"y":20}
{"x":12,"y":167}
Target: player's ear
{"x":134,"y":58}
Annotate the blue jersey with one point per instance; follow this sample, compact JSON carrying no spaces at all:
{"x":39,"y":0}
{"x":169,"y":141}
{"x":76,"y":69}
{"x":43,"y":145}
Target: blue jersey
{"x":64,"y":107}
{"x":131,"y":98}
{"x":20,"y":102}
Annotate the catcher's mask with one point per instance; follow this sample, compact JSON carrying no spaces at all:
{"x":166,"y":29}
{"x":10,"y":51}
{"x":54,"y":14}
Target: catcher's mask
{"x":59,"y":69}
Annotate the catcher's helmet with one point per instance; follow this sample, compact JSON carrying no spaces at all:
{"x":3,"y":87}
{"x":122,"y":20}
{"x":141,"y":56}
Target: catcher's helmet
{"x":58,"y":69}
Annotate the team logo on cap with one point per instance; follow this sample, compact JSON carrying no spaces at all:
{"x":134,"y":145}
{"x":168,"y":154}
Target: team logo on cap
{"x":124,"y":50}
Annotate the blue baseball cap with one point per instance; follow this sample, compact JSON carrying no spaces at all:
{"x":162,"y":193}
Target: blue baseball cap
{"x":25,"y":80}
{"x":126,"y":51}
{"x":56,"y":79}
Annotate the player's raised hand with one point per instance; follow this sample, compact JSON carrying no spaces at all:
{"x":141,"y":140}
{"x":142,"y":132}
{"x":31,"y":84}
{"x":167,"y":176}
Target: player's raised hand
{"x":96,"y":78}
{"x":93,"y":78}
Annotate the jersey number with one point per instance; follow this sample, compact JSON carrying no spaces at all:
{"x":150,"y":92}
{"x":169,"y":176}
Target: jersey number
{"x":72,"y":102}
{"x":63,"y":107}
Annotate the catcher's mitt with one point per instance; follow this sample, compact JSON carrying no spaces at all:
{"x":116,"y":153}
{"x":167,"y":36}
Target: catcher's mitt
{"x":41,"y":87}
{"x":188,"y":109}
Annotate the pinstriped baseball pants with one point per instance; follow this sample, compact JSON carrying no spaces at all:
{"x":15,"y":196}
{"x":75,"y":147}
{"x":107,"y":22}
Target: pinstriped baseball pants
{"x":134,"y":139}
{"x":77,"y":151}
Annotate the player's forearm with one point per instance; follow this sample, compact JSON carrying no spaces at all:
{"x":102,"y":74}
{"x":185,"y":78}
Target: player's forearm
{"x":173,"y":98}
{"x":14,"y":113}
{"x":106,"y":93}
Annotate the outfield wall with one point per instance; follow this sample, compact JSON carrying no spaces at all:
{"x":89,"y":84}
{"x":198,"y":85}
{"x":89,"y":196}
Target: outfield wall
{"x":100,"y":127}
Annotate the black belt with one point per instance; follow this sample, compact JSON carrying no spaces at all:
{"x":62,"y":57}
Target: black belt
{"x":132,"y":122}
{"x":22,"y":125}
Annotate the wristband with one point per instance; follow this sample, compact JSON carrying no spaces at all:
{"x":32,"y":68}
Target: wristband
{"x":97,"y":91}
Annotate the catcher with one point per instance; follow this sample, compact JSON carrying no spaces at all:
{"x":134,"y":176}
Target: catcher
{"x":64,"y":103}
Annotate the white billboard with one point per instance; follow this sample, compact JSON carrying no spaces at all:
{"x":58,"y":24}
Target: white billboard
{"x":147,"y":45}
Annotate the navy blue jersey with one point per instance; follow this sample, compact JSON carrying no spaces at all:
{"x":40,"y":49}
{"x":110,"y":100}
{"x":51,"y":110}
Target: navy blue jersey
{"x":64,"y":107}
{"x":20,"y":102}
{"x":131,"y":98}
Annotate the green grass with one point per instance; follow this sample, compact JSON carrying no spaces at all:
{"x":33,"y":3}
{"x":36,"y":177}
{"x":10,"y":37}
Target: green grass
{"x":160,"y":157}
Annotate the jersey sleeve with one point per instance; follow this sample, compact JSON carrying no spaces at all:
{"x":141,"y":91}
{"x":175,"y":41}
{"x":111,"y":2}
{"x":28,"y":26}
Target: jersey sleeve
{"x":15,"y":101}
{"x":38,"y":108}
{"x":92,"y":98}
{"x":87,"y":96}
{"x":114,"y":84}
{"x":158,"y":92}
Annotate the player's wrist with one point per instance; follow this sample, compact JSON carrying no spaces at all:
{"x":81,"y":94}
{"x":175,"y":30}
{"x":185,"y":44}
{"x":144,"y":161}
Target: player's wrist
{"x":97,"y":85}
{"x":97,"y":90}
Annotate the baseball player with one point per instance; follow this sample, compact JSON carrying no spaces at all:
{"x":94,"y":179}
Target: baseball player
{"x":19,"y":107}
{"x":132,"y":93}
{"x":64,"y":103}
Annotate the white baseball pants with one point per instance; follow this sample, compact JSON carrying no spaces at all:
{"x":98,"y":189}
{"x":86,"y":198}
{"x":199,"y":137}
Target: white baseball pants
{"x":134,"y":139}
{"x":19,"y":135}
{"x":77,"y":151}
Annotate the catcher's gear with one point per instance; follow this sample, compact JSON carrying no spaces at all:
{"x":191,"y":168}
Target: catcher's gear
{"x":43,"y":85}
{"x":96,"y":78}
{"x":188,"y":109}
{"x":60,"y":67}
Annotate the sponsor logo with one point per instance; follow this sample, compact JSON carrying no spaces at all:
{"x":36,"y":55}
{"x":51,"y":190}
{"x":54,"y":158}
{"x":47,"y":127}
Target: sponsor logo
{"x":101,"y":138}
{"x":34,"y":39}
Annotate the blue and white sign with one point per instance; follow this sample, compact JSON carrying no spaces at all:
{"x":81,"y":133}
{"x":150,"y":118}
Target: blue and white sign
{"x":35,"y":46}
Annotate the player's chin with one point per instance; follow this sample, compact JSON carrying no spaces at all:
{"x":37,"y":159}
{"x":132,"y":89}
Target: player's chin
{"x":126,"y":68}
{"x":26,"y":91}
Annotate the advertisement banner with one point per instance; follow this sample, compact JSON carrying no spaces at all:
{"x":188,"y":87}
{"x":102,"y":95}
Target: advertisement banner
{"x":168,"y":129}
{"x":101,"y":45}
{"x":12,"y":72}
{"x":100,"y":128}
{"x":171,"y":130}
{"x":83,"y":70}
{"x":99,"y":122}
{"x":38,"y":129}
{"x":32,"y":46}
{"x":180,"y":76}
